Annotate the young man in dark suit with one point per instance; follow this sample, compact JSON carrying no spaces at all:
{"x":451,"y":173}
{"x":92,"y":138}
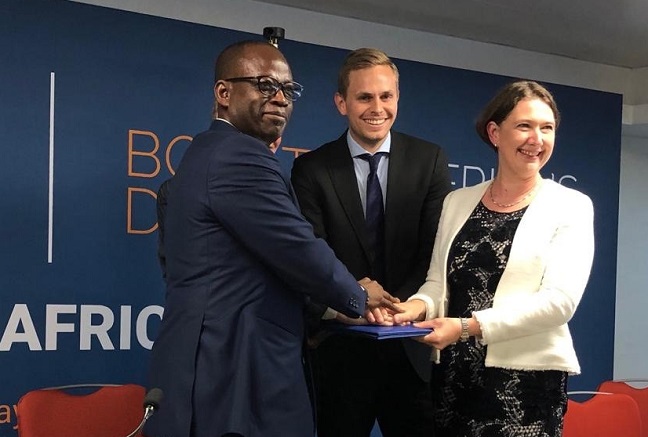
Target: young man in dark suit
{"x":337,"y":188}
{"x":228,"y":356}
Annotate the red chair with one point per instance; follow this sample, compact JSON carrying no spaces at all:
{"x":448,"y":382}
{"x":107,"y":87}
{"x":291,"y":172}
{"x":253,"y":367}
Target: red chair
{"x":640,"y":395}
{"x":603,"y":415}
{"x":110,"y":411}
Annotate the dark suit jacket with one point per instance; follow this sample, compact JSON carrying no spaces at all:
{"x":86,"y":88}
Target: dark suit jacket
{"x":239,"y":258}
{"x":417,"y":182}
{"x":160,"y":209}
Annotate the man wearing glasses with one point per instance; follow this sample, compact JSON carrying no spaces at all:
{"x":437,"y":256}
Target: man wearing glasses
{"x":240,"y":260}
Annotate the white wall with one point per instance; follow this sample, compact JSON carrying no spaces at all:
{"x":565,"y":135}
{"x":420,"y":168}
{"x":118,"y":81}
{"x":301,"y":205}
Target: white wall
{"x":632,"y":301}
{"x":328,"y":30}
{"x":630,"y":351}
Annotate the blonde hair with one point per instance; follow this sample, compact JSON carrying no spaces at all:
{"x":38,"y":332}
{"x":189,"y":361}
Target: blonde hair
{"x":360,"y":59}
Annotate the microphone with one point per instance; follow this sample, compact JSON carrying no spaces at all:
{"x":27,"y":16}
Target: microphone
{"x":152,"y":402}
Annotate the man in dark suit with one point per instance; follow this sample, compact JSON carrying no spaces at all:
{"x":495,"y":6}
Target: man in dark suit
{"x":161,"y":204}
{"x":240,"y":260}
{"x":331,"y":183}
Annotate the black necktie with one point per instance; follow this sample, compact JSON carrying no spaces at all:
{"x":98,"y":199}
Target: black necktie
{"x":375,"y":214}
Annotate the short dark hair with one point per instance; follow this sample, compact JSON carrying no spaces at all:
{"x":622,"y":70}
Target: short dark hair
{"x":228,"y":58}
{"x":506,"y":99}
{"x":227,"y":61}
{"x":360,"y":59}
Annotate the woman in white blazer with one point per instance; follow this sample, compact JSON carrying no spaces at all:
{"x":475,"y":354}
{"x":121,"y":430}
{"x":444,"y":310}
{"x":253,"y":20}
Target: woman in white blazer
{"x":511,"y":261}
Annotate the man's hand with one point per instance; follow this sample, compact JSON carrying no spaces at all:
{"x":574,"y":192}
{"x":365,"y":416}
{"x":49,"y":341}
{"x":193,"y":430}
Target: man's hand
{"x":379,"y":316}
{"x":339,"y":317}
{"x":378,"y":297}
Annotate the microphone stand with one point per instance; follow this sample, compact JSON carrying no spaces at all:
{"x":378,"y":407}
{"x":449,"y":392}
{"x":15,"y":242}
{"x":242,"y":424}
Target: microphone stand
{"x":148,"y":412}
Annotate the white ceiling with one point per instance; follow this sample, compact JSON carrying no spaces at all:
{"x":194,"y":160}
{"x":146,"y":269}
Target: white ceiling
{"x":612,"y":32}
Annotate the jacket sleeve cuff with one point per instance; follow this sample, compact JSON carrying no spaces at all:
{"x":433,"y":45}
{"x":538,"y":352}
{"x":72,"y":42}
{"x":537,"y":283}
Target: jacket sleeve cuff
{"x":482,"y":318}
{"x":329,"y":314}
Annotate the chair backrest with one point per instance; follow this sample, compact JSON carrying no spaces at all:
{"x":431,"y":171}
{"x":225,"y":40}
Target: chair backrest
{"x":640,"y":395}
{"x":603,"y":415}
{"x":110,"y":411}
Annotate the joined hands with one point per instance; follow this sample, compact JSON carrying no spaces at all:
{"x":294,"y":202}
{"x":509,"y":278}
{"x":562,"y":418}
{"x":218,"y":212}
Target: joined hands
{"x":380,"y":308}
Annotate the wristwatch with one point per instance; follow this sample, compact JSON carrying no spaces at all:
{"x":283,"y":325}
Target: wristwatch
{"x":464,"y":330}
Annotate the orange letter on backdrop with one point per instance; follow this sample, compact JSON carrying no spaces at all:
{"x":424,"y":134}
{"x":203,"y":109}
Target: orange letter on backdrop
{"x":129,"y":211}
{"x":296,"y":150}
{"x":131,"y":153}
{"x":5,"y":414}
{"x":170,"y":146}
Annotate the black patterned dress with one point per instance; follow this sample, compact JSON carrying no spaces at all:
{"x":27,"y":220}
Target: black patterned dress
{"x":471,"y":399}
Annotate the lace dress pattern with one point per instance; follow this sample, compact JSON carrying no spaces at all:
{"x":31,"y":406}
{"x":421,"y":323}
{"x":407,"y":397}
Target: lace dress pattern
{"x":473,"y":400}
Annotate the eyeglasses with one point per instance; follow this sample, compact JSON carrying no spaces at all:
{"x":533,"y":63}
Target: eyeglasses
{"x":269,"y":86}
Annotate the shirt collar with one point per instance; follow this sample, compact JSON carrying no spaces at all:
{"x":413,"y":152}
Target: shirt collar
{"x":357,"y":150}
{"x":226,"y":121}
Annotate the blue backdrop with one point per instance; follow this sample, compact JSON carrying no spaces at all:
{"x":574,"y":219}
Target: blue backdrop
{"x":80,"y":288}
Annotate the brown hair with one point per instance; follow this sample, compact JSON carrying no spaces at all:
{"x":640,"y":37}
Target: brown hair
{"x":360,"y":59}
{"x":506,"y":99}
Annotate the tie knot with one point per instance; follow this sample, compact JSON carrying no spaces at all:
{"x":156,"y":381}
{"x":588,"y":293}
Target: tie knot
{"x":373,"y":160}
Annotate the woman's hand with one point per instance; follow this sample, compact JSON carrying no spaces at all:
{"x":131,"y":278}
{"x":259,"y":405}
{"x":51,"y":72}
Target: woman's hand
{"x":446,"y":331}
{"x":411,"y":311}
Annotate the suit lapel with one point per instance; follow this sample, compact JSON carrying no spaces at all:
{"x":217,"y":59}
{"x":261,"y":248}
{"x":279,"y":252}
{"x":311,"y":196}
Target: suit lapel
{"x":219,"y":125}
{"x":345,"y":185}
{"x":396,"y":176}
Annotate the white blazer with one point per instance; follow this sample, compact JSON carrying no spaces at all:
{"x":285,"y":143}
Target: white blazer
{"x":541,"y":286}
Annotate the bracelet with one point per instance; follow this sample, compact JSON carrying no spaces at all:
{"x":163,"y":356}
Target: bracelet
{"x":464,"y":330}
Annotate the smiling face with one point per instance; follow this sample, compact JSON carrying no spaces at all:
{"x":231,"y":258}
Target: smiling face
{"x":243,"y":105}
{"x":370,"y":104}
{"x":524,"y":139}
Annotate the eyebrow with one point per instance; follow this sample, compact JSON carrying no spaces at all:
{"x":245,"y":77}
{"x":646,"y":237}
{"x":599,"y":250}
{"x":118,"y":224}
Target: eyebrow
{"x":379,"y":94}
{"x":530,"y":120}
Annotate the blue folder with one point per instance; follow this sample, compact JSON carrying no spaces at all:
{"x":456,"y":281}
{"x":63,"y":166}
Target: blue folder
{"x":378,"y":332}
